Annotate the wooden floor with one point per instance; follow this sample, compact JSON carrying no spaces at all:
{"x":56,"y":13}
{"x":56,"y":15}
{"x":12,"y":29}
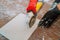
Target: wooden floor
{"x":52,"y":33}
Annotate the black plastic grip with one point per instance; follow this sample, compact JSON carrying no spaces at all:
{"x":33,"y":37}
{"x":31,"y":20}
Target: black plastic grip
{"x":49,"y":18}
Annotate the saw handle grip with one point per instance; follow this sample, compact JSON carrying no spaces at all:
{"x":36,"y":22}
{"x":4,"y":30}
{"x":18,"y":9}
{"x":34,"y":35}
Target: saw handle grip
{"x":32,"y":6}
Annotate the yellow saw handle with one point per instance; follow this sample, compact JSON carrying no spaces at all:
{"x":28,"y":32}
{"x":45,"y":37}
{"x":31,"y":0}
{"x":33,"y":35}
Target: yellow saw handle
{"x":39,"y":5}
